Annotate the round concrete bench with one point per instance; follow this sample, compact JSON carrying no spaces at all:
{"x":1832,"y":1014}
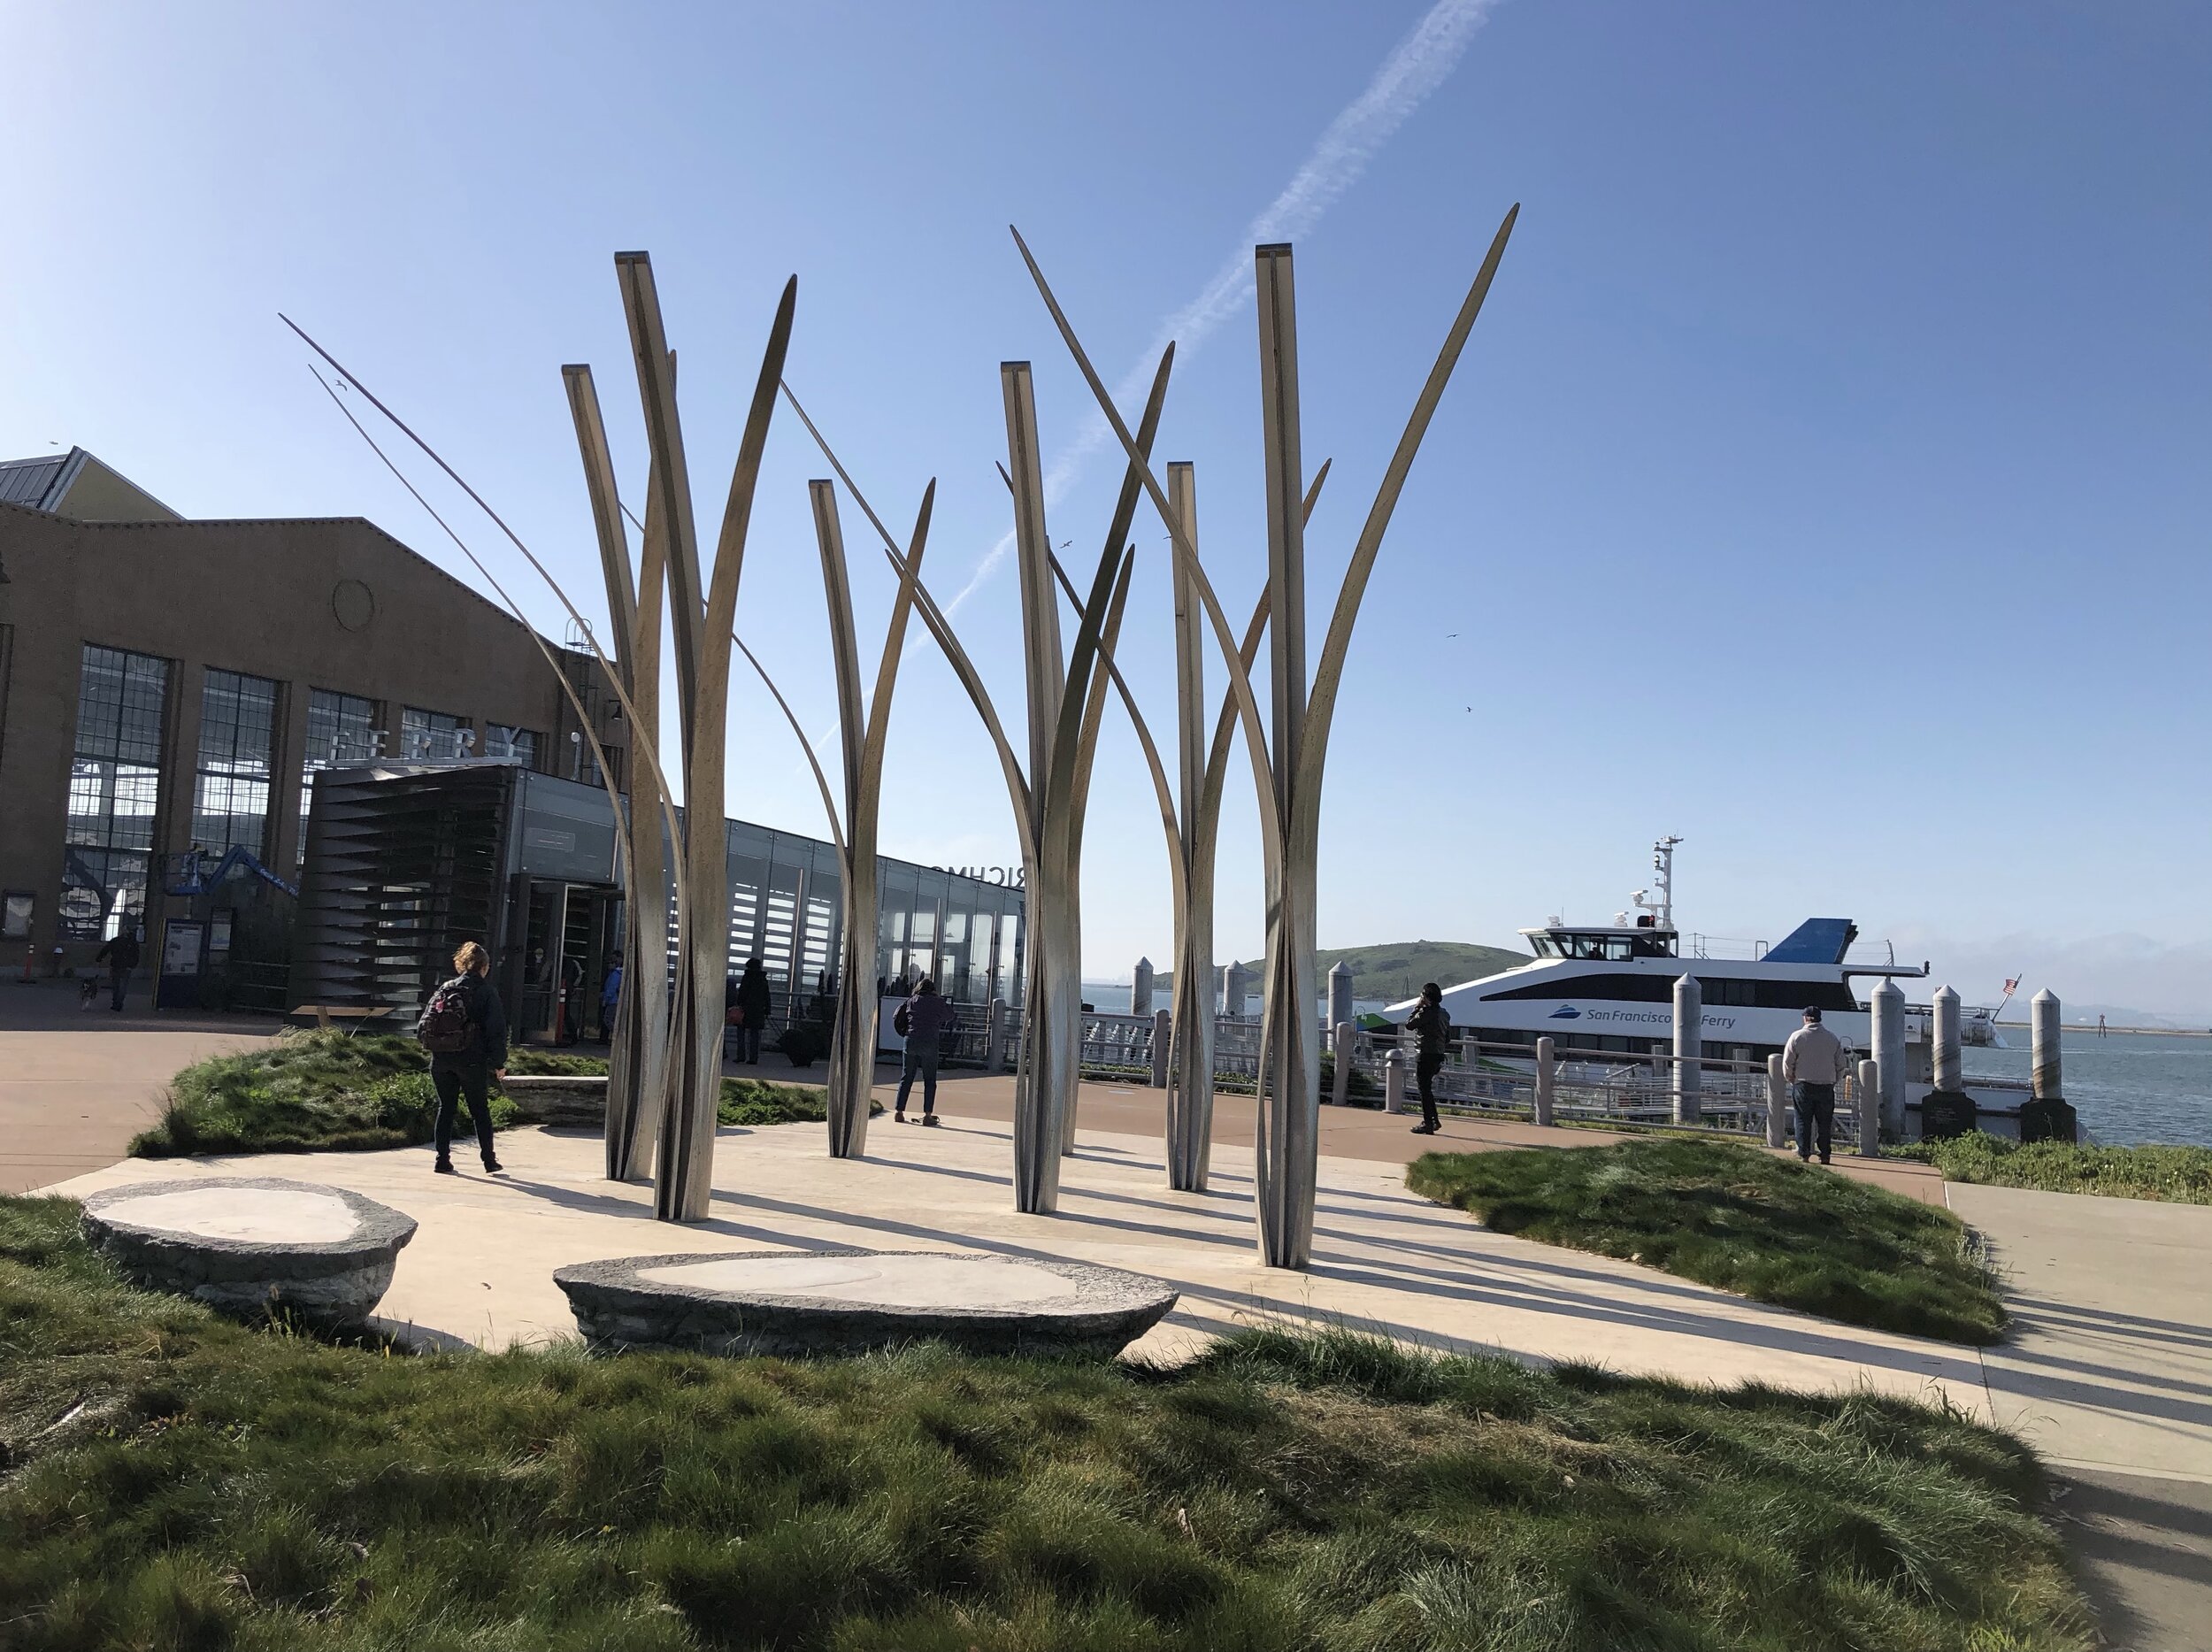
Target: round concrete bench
{"x":253,"y":1245}
{"x":849,"y":1301}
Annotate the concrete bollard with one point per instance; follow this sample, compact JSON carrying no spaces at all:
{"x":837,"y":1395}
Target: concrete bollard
{"x":1689,"y":1045}
{"x":1889,"y":1055}
{"x":1870,"y":1106}
{"x":1345,"y":1052}
{"x":1547,"y":1079}
{"x":1340,"y":993}
{"x":1395,"y":1081}
{"x":1141,"y":988}
{"x":1949,"y":1069}
{"x":1162,"y":1041}
{"x":1778,"y":1104}
{"x":2044,"y":1068}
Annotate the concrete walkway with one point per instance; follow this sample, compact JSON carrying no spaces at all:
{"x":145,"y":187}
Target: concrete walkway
{"x":480,"y":1267}
{"x":76,"y":1084}
{"x":2108,"y":1371}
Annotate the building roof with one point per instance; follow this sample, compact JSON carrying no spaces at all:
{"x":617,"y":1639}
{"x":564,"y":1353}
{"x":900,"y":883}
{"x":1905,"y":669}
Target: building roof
{"x":80,"y":485}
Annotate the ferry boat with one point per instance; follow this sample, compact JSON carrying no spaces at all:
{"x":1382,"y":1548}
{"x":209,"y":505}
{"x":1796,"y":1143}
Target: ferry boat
{"x":1608,"y":989}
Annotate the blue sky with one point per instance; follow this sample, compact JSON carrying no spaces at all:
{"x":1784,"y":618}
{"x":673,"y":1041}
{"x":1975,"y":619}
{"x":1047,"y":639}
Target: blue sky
{"x":1825,"y":482}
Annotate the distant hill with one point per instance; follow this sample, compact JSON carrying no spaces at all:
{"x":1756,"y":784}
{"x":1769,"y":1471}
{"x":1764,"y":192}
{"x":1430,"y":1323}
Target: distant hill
{"x":1396,"y":971}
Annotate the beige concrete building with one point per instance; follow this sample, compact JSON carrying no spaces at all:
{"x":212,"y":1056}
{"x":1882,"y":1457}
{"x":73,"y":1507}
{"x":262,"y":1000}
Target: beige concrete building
{"x":168,"y":686}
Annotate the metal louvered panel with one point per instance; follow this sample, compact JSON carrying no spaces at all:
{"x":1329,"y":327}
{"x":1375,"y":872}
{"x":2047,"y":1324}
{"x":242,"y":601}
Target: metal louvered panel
{"x":401,"y":870}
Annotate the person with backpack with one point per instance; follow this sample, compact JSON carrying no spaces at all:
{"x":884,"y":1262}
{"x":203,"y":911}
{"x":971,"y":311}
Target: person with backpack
{"x":1433,"y":1034}
{"x":922,"y":1021}
{"x":464,"y":1027}
{"x":753,"y":998}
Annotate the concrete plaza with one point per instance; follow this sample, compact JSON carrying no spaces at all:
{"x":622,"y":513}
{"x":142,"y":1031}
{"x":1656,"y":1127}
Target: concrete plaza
{"x":2106,"y":1370}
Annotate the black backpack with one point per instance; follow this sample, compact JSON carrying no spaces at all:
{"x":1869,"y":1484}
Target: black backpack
{"x":446,"y":1027}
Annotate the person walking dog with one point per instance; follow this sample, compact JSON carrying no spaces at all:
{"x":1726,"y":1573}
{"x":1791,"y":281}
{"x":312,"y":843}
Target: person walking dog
{"x":922,"y":1021}
{"x":1432,"y":1031}
{"x":1813,"y":1065}
{"x":120,"y":955}
{"x":463,"y":1026}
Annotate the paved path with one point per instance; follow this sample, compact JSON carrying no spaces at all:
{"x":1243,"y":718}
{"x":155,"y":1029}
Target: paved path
{"x":2108,"y":1371}
{"x":76,"y":1084}
{"x":480,"y":1266}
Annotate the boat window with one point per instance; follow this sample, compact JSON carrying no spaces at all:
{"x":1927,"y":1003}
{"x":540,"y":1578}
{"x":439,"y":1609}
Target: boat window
{"x":1544,"y":946}
{"x":1652,"y":943}
{"x":1620,"y":988}
{"x":1617,"y":950}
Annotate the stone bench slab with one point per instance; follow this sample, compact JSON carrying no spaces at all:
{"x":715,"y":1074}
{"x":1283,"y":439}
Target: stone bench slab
{"x":850,"y":1301}
{"x":253,"y":1245}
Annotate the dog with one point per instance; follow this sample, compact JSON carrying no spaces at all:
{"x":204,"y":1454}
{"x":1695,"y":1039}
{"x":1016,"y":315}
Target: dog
{"x":87,"y":991}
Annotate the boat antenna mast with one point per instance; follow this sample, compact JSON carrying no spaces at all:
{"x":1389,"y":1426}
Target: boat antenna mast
{"x":1661,"y":904}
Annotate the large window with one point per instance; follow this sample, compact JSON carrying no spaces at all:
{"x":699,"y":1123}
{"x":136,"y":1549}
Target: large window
{"x":114,"y":791}
{"x":432,"y":736}
{"x":230,"y":790}
{"x":341,"y":730}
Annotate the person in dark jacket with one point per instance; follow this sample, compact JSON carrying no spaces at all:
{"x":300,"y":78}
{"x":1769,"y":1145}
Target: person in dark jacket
{"x":752,"y":1005}
{"x":471,"y":1069}
{"x":929,"y":1016}
{"x":1433,"y":1033}
{"x":120,"y":955}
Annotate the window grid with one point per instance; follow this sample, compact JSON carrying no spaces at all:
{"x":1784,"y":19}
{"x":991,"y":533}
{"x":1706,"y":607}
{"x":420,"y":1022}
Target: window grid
{"x":432,"y":736}
{"x":230,"y":790}
{"x":341,"y":730}
{"x":114,"y":791}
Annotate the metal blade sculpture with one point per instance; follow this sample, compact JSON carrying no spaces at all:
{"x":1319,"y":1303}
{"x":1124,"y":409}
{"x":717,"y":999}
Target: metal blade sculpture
{"x":703,"y":635}
{"x":1289,"y":774}
{"x":1062,"y":689}
{"x":615,"y":677}
{"x":852,"y":1062}
{"x":637,"y":1058}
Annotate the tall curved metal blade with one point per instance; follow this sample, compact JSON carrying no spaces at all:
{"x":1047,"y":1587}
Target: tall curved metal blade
{"x":1240,"y":679}
{"x":684,"y":1189}
{"x":671,"y":476}
{"x":1163,"y":794}
{"x":1329,"y":671}
{"x":853,"y":1040}
{"x":606,"y":507}
{"x":940,"y":628}
{"x":829,"y":539}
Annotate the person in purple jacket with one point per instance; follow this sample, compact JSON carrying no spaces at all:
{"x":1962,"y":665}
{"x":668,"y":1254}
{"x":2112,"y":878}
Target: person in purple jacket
{"x":922,"y":1020}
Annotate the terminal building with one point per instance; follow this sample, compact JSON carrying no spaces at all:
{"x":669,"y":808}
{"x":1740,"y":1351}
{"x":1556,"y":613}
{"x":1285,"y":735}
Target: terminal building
{"x":171,"y":689}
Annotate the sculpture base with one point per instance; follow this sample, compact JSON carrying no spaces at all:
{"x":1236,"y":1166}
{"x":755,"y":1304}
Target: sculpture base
{"x":852,"y":1301}
{"x":2048,"y":1119}
{"x":253,"y":1246}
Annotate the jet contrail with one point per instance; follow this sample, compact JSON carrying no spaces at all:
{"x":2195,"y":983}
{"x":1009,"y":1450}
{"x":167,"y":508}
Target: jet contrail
{"x":1421,"y":63}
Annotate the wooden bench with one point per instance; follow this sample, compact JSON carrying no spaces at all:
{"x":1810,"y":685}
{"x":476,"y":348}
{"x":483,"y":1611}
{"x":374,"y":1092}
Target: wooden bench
{"x":333,"y":1014}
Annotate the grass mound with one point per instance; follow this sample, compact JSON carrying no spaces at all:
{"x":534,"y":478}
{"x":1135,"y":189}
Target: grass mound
{"x":750,"y":1102}
{"x":1731,"y":1216}
{"x":174,"y":1480}
{"x":326,"y":1091}
{"x":307,"y":1092}
{"x":2176,"y":1175}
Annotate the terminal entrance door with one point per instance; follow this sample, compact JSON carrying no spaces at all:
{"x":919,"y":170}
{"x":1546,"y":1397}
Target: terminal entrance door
{"x":562,"y":960}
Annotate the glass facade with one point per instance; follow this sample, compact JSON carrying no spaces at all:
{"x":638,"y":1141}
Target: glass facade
{"x":787,"y":906}
{"x":432,"y":736}
{"x":114,"y":791}
{"x":230,"y":787}
{"x":342,"y":730}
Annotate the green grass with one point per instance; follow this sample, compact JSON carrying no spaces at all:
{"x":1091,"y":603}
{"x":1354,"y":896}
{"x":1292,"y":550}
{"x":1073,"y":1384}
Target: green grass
{"x":174,"y":1480}
{"x":2176,"y":1175}
{"x":1746,"y":1221}
{"x":325,"y":1091}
